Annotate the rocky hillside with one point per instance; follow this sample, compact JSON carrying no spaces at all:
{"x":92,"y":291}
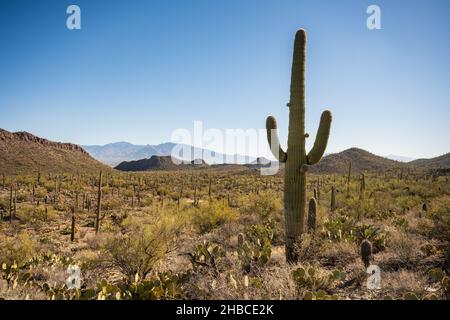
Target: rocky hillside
{"x":441,"y":162}
{"x":159,"y":163}
{"x":22,"y":152}
{"x":362,"y":161}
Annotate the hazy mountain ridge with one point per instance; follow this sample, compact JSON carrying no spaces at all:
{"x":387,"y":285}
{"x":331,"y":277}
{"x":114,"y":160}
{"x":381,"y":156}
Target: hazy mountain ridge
{"x":115,"y":153}
{"x":441,"y":162}
{"x":400,"y":158}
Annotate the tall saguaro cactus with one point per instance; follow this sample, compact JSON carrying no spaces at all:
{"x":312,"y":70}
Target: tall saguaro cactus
{"x":99,"y":203}
{"x":296,"y":158}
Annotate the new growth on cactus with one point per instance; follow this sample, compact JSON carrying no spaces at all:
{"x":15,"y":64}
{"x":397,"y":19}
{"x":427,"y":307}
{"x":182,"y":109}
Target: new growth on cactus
{"x":296,"y":158}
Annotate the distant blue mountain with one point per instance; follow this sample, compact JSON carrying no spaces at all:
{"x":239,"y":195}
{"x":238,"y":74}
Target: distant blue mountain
{"x":115,"y":153}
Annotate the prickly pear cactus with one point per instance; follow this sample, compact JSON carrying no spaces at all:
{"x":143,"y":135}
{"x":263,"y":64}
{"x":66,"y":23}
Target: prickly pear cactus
{"x":296,"y":158}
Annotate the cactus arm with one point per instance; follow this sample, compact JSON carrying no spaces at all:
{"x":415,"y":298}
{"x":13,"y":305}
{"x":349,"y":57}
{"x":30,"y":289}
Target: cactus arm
{"x":274,"y":140}
{"x":321,"y":141}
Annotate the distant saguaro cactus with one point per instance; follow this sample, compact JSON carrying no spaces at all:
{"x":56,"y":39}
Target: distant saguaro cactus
{"x":348,"y":178}
{"x":296,"y":158}
{"x":11,"y":203}
{"x":99,"y":203}
{"x":240,"y":240}
{"x":312,"y":212}
{"x":333,"y":198}
{"x":366,"y":252}
{"x":72,"y":230}
{"x":15,"y":202}
{"x":362,"y":187}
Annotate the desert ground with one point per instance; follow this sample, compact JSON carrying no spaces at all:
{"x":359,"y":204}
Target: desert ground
{"x":219,"y":234}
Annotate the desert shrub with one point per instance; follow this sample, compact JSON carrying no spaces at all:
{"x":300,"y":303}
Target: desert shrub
{"x":40,"y":193}
{"x":406,"y":248}
{"x":208,"y":217}
{"x":33,"y":214}
{"x":17,"y":249}
{"x":143,"y":245}
{"x":308,"y":247}
{"x":440,"y":218}
{"x":264,"y":204}
{"x":407,"y":202}
{"x":111,"y":204}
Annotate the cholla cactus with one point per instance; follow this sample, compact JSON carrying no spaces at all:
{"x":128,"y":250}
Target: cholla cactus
{"x":296,"y":158}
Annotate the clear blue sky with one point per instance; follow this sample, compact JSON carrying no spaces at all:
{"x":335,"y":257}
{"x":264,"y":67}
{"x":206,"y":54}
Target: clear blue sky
{"x":137,"y":70}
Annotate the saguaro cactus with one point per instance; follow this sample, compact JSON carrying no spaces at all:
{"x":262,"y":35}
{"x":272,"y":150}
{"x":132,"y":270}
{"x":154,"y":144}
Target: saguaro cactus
{"x":362,"y":187}
{"x":99,"y":203}
{"x":72,"y":229}
{"x":312,"y":213}
{"x":296,"y":158}
{"x":333,"y":198}
{"x":11,"y":205}
{"x":348,"y":178}
{"x":366,"y":252}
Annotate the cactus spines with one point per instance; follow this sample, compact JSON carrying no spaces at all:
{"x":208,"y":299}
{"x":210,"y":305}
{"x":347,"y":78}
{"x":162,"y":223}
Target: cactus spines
{"x":99,"y":203}
{"x":366,"y":252}
{"x":296,"y":158}
{"x":312,"y":211}
{"x":333,"y":198}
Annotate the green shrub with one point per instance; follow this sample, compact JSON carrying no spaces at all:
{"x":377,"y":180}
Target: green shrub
{"x":213,"y":215}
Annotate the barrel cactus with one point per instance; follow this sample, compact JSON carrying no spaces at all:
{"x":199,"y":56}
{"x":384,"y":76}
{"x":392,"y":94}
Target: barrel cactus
{"x":295,"y":158}
{"x":366,"y":252}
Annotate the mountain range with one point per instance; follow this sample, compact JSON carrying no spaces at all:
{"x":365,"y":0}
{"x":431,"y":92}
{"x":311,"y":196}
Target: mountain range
{"x":118,"y":152}
{"x":23,"y":152}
